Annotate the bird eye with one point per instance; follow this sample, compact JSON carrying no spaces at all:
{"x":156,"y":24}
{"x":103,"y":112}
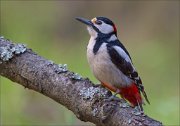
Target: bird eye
{"x":98,"y":22}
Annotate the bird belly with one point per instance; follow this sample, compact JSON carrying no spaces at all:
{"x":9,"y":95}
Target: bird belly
{"x":104,"y":69}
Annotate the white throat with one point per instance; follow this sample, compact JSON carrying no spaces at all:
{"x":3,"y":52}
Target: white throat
{"x":92,"y":32}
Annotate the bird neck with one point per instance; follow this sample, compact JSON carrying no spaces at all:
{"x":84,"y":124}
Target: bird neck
{"x":102,"y":38}
{"x":105,"y":37}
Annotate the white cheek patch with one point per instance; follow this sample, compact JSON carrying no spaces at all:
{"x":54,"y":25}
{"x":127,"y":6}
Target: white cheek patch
{"x":105,"y":28}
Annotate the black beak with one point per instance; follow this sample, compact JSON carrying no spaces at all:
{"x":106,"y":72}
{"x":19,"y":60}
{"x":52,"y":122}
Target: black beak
{"x":85,"y":21}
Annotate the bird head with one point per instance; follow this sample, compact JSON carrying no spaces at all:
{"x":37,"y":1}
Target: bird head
{"x":99,"y":25}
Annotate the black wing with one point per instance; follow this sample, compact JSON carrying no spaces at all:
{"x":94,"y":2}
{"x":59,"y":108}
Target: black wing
{"x":125,"y":66}
{"x":121,"y":63}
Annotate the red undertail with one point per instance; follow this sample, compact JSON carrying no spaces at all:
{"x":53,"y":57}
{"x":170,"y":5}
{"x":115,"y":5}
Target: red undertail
{"x":132,"y":94}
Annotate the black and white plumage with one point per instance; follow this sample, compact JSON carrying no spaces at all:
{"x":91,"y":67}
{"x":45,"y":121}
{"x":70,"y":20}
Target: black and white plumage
{"x":110,"y":62}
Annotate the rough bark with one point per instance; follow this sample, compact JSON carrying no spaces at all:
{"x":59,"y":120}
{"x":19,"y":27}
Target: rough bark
{"x":79,"y":95}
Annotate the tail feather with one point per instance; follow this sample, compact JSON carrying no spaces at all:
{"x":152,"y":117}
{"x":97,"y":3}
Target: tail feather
{"x":145,"y":96}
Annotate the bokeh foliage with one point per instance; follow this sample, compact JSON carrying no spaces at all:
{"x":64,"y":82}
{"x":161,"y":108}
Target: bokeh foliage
{"x":149,"y":30}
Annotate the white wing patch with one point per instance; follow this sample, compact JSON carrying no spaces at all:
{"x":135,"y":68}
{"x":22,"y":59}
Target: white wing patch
{"x":123,"y":54}
{"x":105,"y":28}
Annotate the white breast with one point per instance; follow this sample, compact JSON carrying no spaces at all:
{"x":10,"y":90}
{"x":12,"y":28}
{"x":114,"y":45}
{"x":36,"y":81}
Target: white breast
{"x":102,"y":67}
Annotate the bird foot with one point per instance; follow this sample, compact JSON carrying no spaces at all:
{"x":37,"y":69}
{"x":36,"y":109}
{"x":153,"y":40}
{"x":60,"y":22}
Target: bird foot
{"x":138,"y":111}
{"x":113,"y":98}
{"x":124,"y":105}
{"x":98,"y":85}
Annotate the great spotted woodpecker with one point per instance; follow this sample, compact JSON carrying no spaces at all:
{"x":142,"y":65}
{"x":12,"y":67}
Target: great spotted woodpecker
{"x":111,"y":63}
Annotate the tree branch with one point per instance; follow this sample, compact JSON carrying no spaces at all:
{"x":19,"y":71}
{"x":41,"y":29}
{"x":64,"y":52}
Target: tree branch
{"x":79,"y":95}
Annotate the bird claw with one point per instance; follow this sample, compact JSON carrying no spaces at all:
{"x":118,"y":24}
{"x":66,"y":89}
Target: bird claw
{"x":124,"y":105}
{"x":98,"y":85}
{"x":113,"y":98}
{"x":137,"y":111}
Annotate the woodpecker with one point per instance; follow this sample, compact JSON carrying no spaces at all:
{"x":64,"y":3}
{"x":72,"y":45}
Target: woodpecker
{"x":111,"y":63}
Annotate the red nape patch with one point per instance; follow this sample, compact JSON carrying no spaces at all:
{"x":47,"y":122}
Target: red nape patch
{"x":115,"y":29}
{"x":131,"y":94}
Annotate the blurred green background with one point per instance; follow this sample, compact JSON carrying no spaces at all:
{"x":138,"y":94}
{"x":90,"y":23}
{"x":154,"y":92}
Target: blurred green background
{"x":148,"y":29}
